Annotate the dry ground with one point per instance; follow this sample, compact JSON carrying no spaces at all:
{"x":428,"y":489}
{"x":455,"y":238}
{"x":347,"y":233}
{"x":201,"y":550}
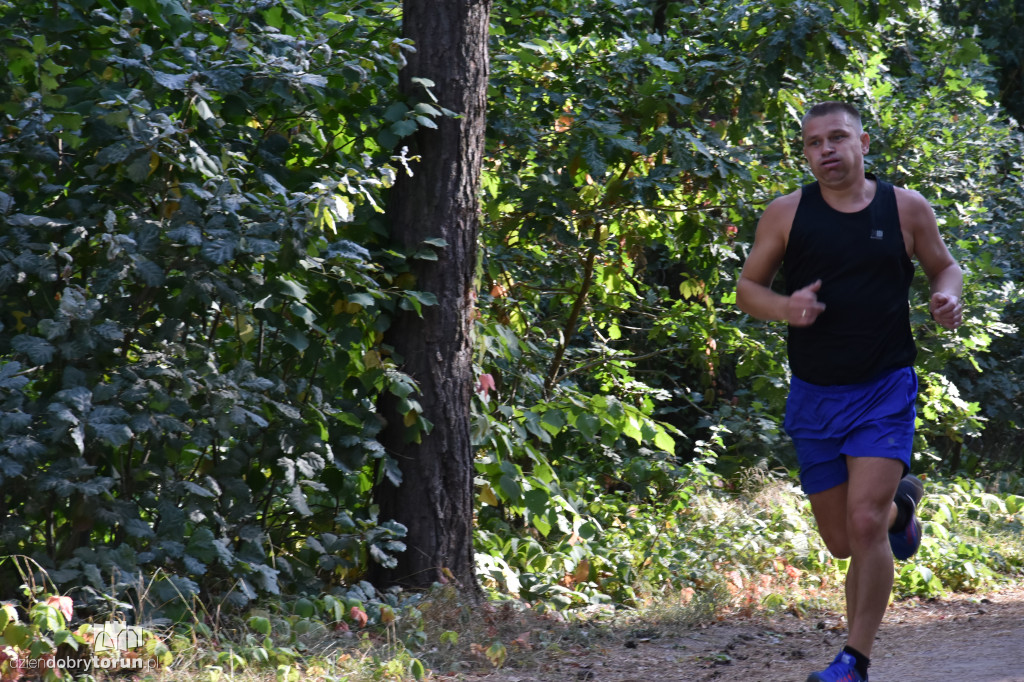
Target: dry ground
{"x":963,"y":638}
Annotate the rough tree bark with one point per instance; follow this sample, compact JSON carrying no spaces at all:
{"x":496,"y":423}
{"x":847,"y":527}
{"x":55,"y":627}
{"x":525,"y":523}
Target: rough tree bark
{"x":441,"y":200}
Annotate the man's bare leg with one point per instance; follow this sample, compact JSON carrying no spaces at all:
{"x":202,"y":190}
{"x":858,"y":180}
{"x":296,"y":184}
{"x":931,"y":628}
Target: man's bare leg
{"x":870,"y":510}
{"x":853,"y":519}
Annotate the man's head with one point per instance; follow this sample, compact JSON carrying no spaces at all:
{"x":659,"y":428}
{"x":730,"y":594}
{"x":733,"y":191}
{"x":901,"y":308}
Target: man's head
{"x":835,"y":144}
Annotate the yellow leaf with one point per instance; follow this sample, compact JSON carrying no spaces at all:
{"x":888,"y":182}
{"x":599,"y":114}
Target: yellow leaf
{"x":487,"y":496}
{"x":245,"y":331}
{"x":582,"y":571}
{"x":496,"y":654}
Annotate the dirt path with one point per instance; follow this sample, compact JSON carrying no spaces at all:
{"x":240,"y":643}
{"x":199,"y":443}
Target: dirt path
{"x":977,"y":638}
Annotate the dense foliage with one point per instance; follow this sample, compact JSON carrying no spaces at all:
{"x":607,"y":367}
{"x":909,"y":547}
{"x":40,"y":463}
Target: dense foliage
{"x":195,"y":278}
{"x":995,"y":24}
{"x":633,"y":153}
{"x":188,"y":360}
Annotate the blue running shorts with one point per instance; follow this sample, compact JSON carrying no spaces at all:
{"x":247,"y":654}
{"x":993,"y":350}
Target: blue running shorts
{"x":870,"y":419}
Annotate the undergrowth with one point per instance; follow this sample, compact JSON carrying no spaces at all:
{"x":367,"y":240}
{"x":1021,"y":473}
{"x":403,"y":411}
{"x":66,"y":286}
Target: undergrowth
{"x":710,"y":551}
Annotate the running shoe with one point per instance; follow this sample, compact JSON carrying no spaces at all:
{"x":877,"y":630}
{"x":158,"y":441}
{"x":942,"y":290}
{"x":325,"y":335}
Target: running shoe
{"x":841,"y":670}
{"x":904,"y":543}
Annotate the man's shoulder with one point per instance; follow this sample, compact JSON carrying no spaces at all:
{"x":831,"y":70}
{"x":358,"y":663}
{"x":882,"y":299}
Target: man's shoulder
{"x":915,"y":212}
{"x":905,"y":194}
{"x":777,"y":219}
{"x":786,"y":202}
{"x":910,"y":200}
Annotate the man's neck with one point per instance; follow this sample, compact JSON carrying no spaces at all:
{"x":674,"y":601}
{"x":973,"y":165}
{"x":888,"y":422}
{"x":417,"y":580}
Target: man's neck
{"x":850,"y":197}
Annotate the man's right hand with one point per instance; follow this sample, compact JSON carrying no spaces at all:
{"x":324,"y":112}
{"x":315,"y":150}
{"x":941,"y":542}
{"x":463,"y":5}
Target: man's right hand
{"x":803,"y":306}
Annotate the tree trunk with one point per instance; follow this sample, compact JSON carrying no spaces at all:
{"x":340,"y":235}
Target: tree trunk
{"x":441,"y":200}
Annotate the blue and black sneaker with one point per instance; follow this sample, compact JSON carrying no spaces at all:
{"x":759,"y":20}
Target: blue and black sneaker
{"x":842,"y":670}
{"x":904,"y":542}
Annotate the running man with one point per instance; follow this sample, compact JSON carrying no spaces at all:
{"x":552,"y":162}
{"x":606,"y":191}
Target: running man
{"x":845,"y":244}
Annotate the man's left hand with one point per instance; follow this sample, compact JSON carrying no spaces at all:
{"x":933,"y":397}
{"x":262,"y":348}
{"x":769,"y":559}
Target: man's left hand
{"x":946,"y":310}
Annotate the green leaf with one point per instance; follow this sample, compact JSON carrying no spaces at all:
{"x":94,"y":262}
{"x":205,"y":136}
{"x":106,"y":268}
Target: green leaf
{"x":296,"y":339}
{"x":365,"y":300}
{"x":395,"y":112}
{"x":303,"y":607}
{"x":664,"y":441}
{"x":588,"y":424}
{"x":415,"y":300}
{"x":510,"y":487}
{"x":423,"y":297}
{"x":115,"y":435}
{"x":173,"y":81}
{"x":297,"y":500}
{"x":403,"y":128}
{"x":537,"y":501}
{"x":426,"y":109}
{"x":219,"y":251}
{"x":541,"y":523}
{"x":17,"y":635}
{"x":65,"y":637}
{"x":289,"y":287}
{"x":553,"y":421}
{"x":392,"y":471}
{"x":39,"y":351}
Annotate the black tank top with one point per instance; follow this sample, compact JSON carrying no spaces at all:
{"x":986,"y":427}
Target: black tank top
{"x":862,"y":263}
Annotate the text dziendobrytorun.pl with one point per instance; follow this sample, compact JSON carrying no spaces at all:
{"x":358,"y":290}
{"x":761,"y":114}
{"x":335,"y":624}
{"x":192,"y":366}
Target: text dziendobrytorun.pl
{"x":89,"y":662}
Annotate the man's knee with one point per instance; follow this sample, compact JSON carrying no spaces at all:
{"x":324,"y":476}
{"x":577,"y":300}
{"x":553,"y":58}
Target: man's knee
{"x":867,"y":525}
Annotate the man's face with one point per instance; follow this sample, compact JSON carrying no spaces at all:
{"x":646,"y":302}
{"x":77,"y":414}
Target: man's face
{"x":835,"y":145}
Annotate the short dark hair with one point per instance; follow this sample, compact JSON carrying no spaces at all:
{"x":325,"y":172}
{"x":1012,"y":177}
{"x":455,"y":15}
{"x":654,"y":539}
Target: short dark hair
{"x":826,"y":108}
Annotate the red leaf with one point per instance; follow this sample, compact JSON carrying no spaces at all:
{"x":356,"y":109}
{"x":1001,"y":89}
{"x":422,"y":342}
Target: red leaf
{"x":359,"y":616}
{"x":63,"y":604}
{"x":486,"y":384}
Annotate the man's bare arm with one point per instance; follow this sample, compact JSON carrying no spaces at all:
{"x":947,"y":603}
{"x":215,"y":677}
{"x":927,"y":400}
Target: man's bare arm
{"x":945,"y":278}
{"x":754,"y":295}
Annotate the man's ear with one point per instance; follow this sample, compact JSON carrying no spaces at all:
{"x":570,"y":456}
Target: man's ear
{"x":864,"y":140}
